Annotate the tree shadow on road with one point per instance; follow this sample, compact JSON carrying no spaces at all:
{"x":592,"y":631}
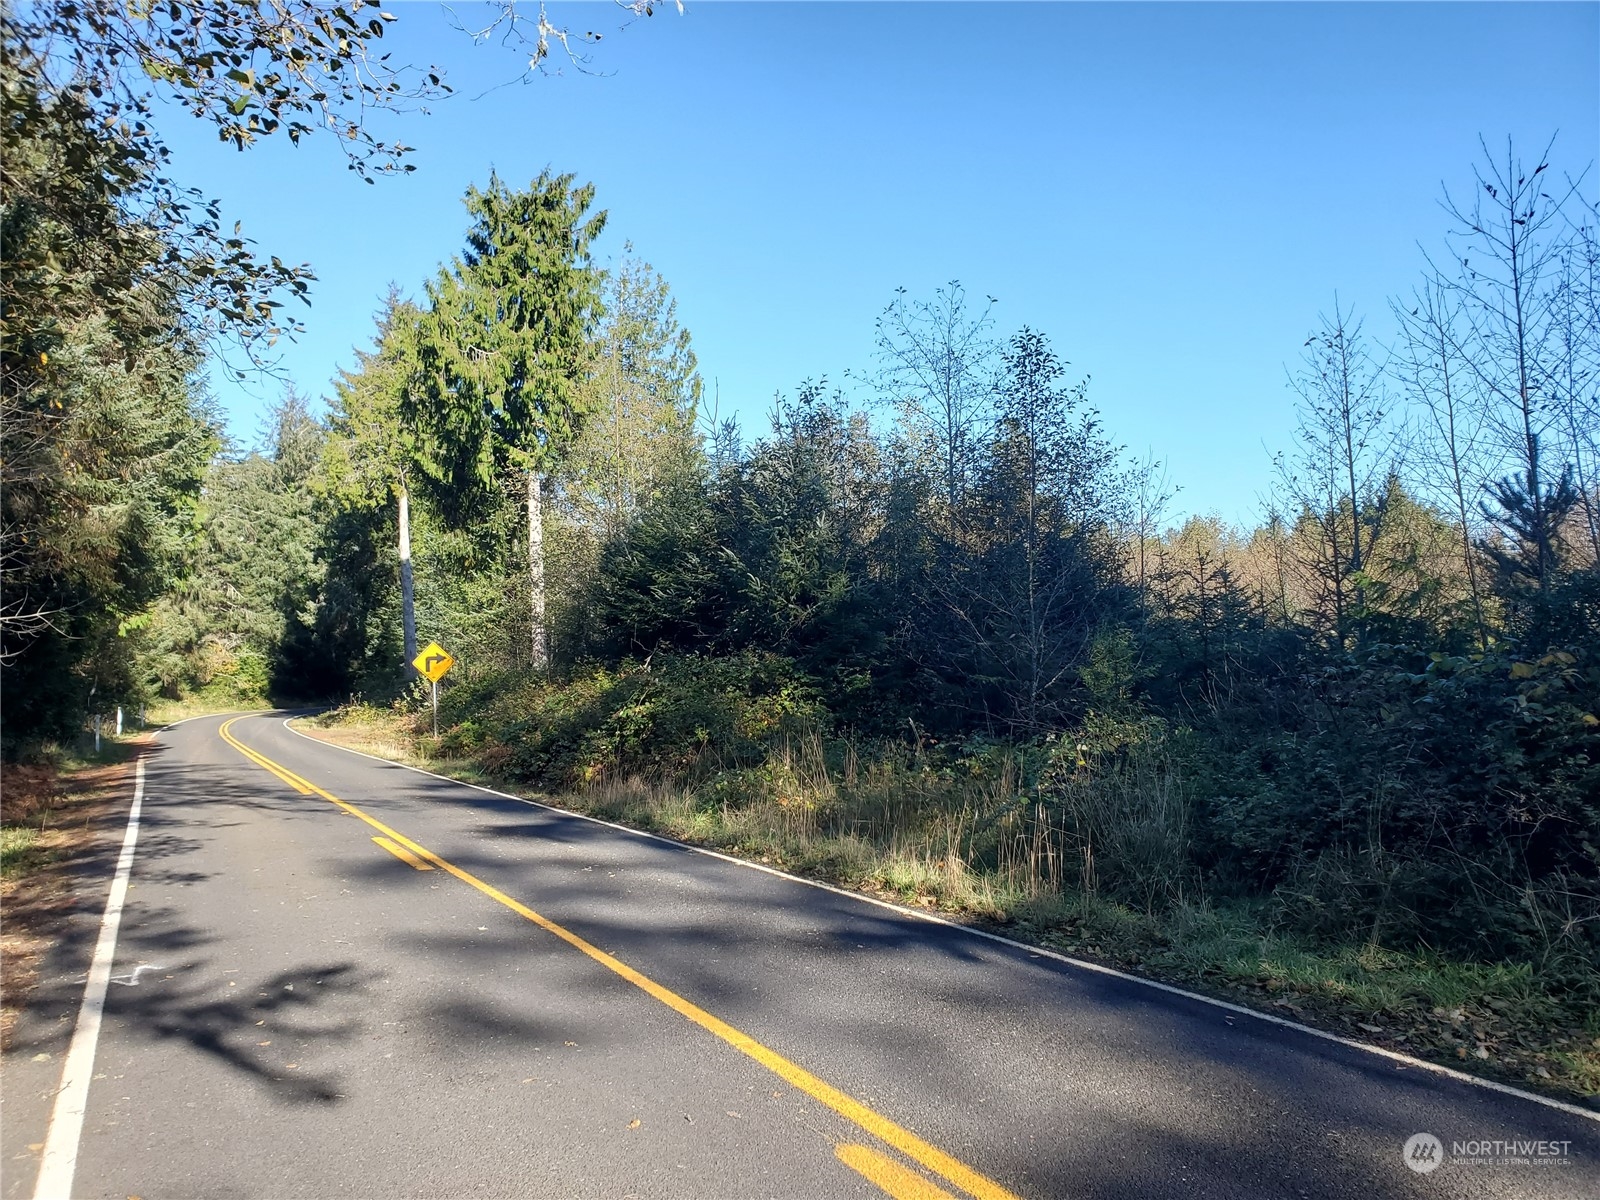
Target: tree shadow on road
{"x":287,"y":1006}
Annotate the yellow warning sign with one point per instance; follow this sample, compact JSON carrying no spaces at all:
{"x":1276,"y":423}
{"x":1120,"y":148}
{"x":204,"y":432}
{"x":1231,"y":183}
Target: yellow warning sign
{"x":433,"y":663}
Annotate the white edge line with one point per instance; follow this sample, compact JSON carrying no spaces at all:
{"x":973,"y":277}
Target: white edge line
{"x":60,"y":1158}
{"x":1081,"y":964}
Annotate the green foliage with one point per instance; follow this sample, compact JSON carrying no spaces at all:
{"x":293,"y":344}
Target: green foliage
{"x":469,"y":594}
{"x":770,"y":554}
{"x":504,"y":341}
{"x":642,"y":395}
{"x":664,"y":718}
{"x":1413,"y":587}
{"x":1532,"y":557}
{"x":241,"y":623}
{"x":371,"y":446}
{"x":104,"y":451}
{"x":818,"y":544}
{"x":114,"y":281}
{"x":250,"y":70}
{"x":1426,"y":797}
{"x":1038,"y":578}
{"x":356,"y":636}
{"x":92,"y":220}
{"x":636,"y":445}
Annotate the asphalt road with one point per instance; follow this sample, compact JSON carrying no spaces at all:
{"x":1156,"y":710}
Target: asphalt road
{"x":556,"y":1008}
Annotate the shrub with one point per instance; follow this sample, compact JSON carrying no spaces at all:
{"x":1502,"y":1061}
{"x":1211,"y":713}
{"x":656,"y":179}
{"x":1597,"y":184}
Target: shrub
{"x":672,"y":716}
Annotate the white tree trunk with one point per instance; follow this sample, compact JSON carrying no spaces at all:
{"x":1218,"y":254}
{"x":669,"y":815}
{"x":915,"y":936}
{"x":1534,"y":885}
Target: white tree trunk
{"x":408,"y":612}
{"x":541,"y":640}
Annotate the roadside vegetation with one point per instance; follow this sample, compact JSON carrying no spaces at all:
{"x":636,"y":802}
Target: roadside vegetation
{"x":1105,"y":861}
{"x":935,"y":635}
{"x":58,"y":805}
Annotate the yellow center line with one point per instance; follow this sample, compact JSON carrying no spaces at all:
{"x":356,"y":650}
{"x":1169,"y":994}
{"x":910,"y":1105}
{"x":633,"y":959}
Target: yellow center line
{"x":948,"y":1167}
{"x":899,"y":1181}
{"x":404,"y":855}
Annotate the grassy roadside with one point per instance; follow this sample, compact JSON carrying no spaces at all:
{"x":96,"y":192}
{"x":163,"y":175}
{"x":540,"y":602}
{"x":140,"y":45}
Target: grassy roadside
{"x":52,"y":812}
{"x":1507,"y":1022}
{"x":168,"y":712}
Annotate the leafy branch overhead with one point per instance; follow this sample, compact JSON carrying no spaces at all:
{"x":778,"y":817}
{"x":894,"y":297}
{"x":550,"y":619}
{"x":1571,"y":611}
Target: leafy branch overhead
{"x":252,"y":69}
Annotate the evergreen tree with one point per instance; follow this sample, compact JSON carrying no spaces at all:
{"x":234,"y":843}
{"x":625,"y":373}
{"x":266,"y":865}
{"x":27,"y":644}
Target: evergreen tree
{"x":241,"y":622}
{"x":1038,"y":580}
{"x":643,"y":398}
{"x":503,"y":351}
{"x":1531,"y":554}
{"x":642,"y":402}
{"x":1338,"y":482}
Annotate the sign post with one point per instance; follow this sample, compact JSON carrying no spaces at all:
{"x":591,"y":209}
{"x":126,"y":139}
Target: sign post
{"x":433,"y":664}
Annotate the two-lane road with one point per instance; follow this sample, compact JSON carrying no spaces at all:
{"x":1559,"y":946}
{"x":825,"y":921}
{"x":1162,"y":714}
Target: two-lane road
{"x":336,"y":977}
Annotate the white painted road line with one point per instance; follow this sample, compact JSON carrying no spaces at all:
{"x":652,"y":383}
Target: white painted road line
{"x":60,"y":1159}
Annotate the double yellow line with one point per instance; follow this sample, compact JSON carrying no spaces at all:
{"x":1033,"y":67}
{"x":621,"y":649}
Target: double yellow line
{"x":396,"y":844}
{"x":890,"y":1175}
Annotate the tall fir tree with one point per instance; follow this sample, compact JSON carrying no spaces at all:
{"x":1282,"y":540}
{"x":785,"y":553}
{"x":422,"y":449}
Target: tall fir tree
{"x":503,"y":350}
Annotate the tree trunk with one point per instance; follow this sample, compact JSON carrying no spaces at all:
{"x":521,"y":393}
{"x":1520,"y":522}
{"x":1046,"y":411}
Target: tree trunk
{"x":408,"y":612}
{"x":541,"y":640}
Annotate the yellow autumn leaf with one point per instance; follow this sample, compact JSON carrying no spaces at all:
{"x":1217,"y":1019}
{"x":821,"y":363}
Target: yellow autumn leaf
{"x":1522,"y":670}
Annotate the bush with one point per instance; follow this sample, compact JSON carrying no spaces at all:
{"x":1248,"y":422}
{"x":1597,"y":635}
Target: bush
{"x":1427,"y":798}
{"x":669,"y":717}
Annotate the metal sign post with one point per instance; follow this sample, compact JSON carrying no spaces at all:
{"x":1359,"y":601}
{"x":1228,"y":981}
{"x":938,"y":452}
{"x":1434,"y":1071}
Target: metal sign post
{"x":432,"y":664}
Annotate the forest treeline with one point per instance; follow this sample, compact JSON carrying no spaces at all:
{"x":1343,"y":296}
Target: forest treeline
{"x":947,"y":592}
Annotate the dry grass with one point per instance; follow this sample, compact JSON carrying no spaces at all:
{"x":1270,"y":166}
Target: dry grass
{"x":167,"y":712}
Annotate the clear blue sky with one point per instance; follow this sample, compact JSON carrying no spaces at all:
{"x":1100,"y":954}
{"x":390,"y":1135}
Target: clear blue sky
{"x":1171,"y":192}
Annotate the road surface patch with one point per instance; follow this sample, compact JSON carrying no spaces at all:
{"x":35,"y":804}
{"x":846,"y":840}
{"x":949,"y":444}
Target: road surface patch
{"x":1402,"y":1060}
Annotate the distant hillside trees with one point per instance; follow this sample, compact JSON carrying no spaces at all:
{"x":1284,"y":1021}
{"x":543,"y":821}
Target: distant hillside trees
{"x":239,"y":623}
